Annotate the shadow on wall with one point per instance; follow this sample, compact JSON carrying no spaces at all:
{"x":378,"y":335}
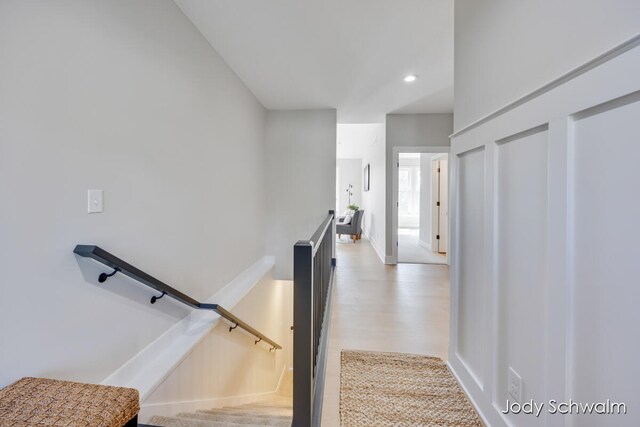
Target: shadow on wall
{"x":134,"y":295}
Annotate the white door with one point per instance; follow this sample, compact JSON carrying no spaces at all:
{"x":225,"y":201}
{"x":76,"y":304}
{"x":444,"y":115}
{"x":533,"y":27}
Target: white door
{"x":440,"y":196}
{"x":443,"y":218}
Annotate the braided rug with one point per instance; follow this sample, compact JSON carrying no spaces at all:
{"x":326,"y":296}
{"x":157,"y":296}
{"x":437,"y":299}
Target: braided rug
{"x":395,"y":389}
{"x":46,"y":402}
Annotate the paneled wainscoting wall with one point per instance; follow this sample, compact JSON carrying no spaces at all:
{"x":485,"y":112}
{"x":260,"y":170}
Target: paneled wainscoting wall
{"x":545,"y":230}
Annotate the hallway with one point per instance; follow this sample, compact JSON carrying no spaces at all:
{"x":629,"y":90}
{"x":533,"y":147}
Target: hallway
{"x":403,"y":308}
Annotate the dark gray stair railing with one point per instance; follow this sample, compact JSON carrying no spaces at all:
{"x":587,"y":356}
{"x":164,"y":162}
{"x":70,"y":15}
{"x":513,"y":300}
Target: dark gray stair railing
{"x":120,"y":266}
{"x":313,"y":265}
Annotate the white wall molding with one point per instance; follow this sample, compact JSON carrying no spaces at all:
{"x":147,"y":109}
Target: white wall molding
{"x":470,"y":394}
{"x":151,"y":366}
{"x":576,"y":72}
{"x":526,"y":202}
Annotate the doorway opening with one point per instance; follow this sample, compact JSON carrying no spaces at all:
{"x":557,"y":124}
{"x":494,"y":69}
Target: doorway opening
{"x":422,"y":207}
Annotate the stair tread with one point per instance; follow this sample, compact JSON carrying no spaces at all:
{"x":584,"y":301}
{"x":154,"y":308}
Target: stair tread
{"x":243,"y":411}
{"x":162,"y":421}
{"x":260,"y":406}
{"x":261,"y":412}
{"x":276,"y":412}
{"x":253,"y":407}
{"x":238,"y":419}
{"x":273,"y":402}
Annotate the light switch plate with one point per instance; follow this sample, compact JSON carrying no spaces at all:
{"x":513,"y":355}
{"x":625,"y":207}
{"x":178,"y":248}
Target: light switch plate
{"x":95,"y":201}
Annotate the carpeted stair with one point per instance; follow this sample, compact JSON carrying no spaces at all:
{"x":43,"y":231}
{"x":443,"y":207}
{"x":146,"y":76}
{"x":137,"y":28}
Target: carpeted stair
{"x":276,"y":411}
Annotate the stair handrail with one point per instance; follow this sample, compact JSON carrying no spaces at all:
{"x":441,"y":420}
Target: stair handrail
{"x":120,"y":266}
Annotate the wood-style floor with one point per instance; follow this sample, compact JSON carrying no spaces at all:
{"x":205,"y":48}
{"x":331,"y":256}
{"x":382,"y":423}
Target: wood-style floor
{"x":403,"y":308}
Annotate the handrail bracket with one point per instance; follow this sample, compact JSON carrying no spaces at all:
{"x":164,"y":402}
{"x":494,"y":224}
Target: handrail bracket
{"x":104,"y":276}
{"x":155,"y":298}
{"x":118,"y":265}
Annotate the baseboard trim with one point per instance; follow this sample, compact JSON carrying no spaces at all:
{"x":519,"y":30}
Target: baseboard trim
{"x":374,"y":243}
{"x":469,"y":396}
{"x":153,"y":364}
{"x":483,"y":406}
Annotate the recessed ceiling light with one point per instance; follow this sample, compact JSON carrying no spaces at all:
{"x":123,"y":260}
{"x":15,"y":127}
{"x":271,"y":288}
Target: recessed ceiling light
{"x":411,"y":78}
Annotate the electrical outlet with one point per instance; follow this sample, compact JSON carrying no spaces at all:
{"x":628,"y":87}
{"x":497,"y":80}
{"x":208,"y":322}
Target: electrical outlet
{"x":514,"y":386}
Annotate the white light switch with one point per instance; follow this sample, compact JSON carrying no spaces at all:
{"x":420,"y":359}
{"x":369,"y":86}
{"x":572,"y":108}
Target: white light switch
{"x":95,"y":201}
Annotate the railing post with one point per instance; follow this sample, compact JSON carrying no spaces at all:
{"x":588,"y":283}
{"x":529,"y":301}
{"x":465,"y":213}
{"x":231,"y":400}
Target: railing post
{"x":333,"y":238}
{"x":302,"y":334}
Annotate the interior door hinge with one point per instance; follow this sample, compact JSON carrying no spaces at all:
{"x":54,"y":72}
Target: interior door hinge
{"x":437,"y":237}
{"x":437,"y":203}
{"x":397,"y":204}
{"x":398,"y":164}
{"x":438,"y":170}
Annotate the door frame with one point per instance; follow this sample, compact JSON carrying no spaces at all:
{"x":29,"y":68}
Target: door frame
{"x":394,"y":192}
{"x":435,"y":211}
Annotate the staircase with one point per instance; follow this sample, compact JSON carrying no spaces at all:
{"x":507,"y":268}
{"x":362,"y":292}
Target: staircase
{"x":276,"y":411}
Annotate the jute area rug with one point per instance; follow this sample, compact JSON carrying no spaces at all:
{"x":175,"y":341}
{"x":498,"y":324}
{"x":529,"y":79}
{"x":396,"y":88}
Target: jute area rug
{"x":395,"y":389}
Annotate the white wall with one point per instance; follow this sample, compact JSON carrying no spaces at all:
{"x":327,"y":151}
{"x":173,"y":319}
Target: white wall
{"x":301,"y":179}
{"x":410,"y":130}
{"x":544,"y":247}
{"x":367,"y":141}
{"x":227,"y":368}
{"x":426,"y":200}
{"x":351,"y":172}
{"x":505,"y":49}
{"x":126,"y":97}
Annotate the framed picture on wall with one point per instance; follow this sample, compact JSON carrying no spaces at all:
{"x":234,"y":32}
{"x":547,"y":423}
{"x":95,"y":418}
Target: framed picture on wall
{"x":366,"y":177}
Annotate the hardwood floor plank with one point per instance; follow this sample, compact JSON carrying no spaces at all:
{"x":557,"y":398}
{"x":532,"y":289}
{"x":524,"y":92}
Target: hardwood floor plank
{"x":403,"y":308}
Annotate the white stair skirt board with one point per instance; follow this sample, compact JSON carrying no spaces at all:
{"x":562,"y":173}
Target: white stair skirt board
{"x":153,"y":364}
{"x":172,"y":408}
